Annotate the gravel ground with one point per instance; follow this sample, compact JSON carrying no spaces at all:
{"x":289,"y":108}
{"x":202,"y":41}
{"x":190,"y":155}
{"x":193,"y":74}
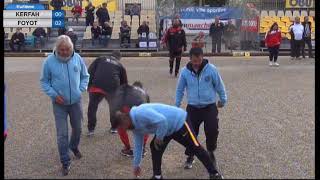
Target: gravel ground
{"x":266,"y":129}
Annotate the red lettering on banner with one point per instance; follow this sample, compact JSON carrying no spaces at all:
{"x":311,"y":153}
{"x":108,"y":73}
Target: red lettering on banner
{"x":249,"y":25}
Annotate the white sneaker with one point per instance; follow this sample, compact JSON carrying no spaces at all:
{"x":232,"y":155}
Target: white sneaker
{"x":270,"y":63}
{"x":276,"y":64}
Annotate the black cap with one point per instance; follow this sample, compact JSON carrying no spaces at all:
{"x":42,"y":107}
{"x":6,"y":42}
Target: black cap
{"x":196,"y":51}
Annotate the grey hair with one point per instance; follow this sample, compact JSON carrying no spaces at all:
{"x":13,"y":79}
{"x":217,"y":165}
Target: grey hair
{"x":63,"y":39}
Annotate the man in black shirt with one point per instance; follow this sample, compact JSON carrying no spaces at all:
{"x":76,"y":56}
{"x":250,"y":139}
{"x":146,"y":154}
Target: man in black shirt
{"x":89,"y":14}
{"x":103,"y":14}
{"x":307,"y":37}
{"x":40,"y":35}
{"x":106,"y":75}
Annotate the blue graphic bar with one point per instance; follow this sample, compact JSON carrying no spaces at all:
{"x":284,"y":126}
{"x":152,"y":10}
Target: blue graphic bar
{"x":57,"y":14}
{"x":24,"y":7}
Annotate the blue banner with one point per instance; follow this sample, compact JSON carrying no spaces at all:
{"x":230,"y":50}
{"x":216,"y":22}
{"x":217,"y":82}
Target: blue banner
{"x":210,"y":13}
{"x":24,"y":7}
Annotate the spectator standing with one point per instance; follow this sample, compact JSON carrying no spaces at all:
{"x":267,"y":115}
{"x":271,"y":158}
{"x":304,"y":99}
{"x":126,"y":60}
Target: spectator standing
{"x":135,"y":10}
{"x":40,"y":36}
{"x":307,"y":37}
{"x":17,"y":40}
{"x":106,"y":75}
{"x":103,"y":14}
{"x":216,"y":32}
{"x":292,"y":53}
{"x":57,"y":4}
{"x":298,"y":30}
{"x":106,"y":33}
{"x":89,"y":14}
{"x":202,"y":82}
{"x":229,"y":32}
{"x":73,"y":36}
{"x":76,"y":11}
{"x":273,"y":41}
{"x":175,"y":39}
{"x":64,"y":77}
{"x":125,"y":33}
{"x":95,"y":33}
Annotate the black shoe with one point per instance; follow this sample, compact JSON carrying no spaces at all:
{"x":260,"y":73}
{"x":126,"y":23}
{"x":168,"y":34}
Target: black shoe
{"x":127,"y":152}
{"x":213,"y":159}
{"x":189,"y":162}
{"x":154,"y":177}
{"x":170,"y":71}
{"x":215,"y":176}
{"x":65,"y":169}
{"x":77,"y":153}
{"x":176,"y":74}
{"x":113,"y":130}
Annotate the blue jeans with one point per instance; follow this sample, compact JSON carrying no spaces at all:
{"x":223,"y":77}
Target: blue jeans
{"x":39,"y":40}
{"x":105,"y":40}
{"x":61,"y":113}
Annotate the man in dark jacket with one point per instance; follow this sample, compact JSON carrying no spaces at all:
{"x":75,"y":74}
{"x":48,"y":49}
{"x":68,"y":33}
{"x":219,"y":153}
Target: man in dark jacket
{"x":216,"y":32}
{"x":56,"y":4}
{"x":143,"y":28}
{"x":106,"y":75}
{"x":125,"y":97}
{"x":39,"y":36}
{"x":17,"y":39}
{"x":95,"y":33}
{"x":73,"y":36}
{"x":62,"y":31}
{"x":103,"y":14}
{"x":176,"y":39}
{"x":106,"y":33}
{"x":89,"y":14}
{"x":307,"y":36}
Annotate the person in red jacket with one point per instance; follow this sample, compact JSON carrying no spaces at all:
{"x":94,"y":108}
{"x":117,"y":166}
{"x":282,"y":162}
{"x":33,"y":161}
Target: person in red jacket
{"x":273,"y":41}
{"x":76,"y":11}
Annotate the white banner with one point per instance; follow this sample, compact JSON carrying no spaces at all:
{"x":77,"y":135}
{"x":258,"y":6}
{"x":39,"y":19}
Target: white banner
{"x":194,"y":26}
{"x":27,"y":23}
{"x":27,"y":14}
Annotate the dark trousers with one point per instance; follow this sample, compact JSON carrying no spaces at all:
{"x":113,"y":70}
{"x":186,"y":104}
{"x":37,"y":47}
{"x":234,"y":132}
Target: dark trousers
{"x":125,"y":37}
{"x":208,"y":115}
{"x":89,"y":21}
{"x":216,"y":44}
{"x":292,"y":53}
{"x":273,"y":53}
{"x":20,"y":46}
{"x":94,"y":101}
{"x":298,"y":44}
{"x":175,"y":56}
{"x":307,"y":40}
{"x":186,"y":137}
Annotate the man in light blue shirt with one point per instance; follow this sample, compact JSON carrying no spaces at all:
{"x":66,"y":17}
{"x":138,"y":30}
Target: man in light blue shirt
{"x":203,"y":83}
{"x":166,"y":122}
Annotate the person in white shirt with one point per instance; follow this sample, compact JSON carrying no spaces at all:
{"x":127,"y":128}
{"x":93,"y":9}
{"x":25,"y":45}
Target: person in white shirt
{"x":297,"y":29}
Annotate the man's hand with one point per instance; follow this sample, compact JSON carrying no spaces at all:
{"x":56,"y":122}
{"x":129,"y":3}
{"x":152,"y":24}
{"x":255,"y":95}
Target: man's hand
{"x":157,"y":143}
{"x":59,"y":100}
{"x":220,"y":104}
{"x":137,"y":171}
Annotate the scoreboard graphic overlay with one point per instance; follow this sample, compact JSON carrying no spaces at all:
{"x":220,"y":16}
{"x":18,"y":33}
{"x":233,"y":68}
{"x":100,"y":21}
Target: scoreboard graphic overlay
{"x":32,"y":15}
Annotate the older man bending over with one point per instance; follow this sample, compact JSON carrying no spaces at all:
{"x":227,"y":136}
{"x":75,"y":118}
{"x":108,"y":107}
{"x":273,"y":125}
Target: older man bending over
{"x":64,"y":77}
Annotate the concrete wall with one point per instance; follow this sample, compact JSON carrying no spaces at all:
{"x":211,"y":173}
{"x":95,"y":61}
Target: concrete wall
{"x":145,"y":4}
